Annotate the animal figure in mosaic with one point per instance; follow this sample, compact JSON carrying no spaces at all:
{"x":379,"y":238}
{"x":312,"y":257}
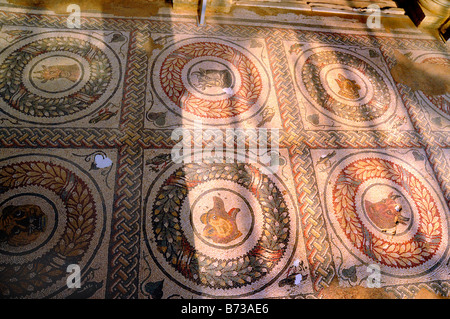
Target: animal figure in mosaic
{"x":103,"y":115}
{"x":221,"y":226}
{"x":295,"y":275}
{"x":348,"y":88}
{"x":213,"y":78}
{"x":267,"y":116}
{"x":325,"y":160}
{"x":49,"y":73}
{"x":398,"y":121}
{"x":295,"y":48}
{"x":386,"y":214}
{"x":159,"y":162}
{"x":22,"y":224}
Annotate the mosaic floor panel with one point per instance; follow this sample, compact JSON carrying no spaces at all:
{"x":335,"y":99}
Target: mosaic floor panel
{"x":87,"y":178}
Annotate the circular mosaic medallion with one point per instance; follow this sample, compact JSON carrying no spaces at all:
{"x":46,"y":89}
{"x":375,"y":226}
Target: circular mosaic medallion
{"x":49,"y":219}
{"x":384,"y":211}
{"x":220,"y":229}
{"x":345,"y":86}
{"x":58,"y":77}
{"x":209,"y":78}
{"x":439,"y":103}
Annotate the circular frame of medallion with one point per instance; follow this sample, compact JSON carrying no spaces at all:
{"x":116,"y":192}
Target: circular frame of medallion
{"x":197,"y":271}
{"x":236,"y":97}
{"x":339,"y":98}
{"x":440,"y":103}
{"x":418,"y":250}
{"x":80,"y":88}
{"x":77,"y":231}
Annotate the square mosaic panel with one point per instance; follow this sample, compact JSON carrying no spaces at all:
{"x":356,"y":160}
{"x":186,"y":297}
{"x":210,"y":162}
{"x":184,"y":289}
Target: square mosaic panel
{"x":220,"y":82}
{"x":221,"y":230}
{"x":383,"y":207}
{"x":61,"y":77}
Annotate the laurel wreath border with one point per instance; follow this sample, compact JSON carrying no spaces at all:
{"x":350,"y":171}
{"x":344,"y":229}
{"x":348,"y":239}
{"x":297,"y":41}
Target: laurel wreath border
{"x":205,"y":270}
{"x":411,"y":253}
{"x":34,"y":105}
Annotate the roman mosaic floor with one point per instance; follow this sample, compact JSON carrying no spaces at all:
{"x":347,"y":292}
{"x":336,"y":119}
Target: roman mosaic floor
{"x":87,"y":175}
